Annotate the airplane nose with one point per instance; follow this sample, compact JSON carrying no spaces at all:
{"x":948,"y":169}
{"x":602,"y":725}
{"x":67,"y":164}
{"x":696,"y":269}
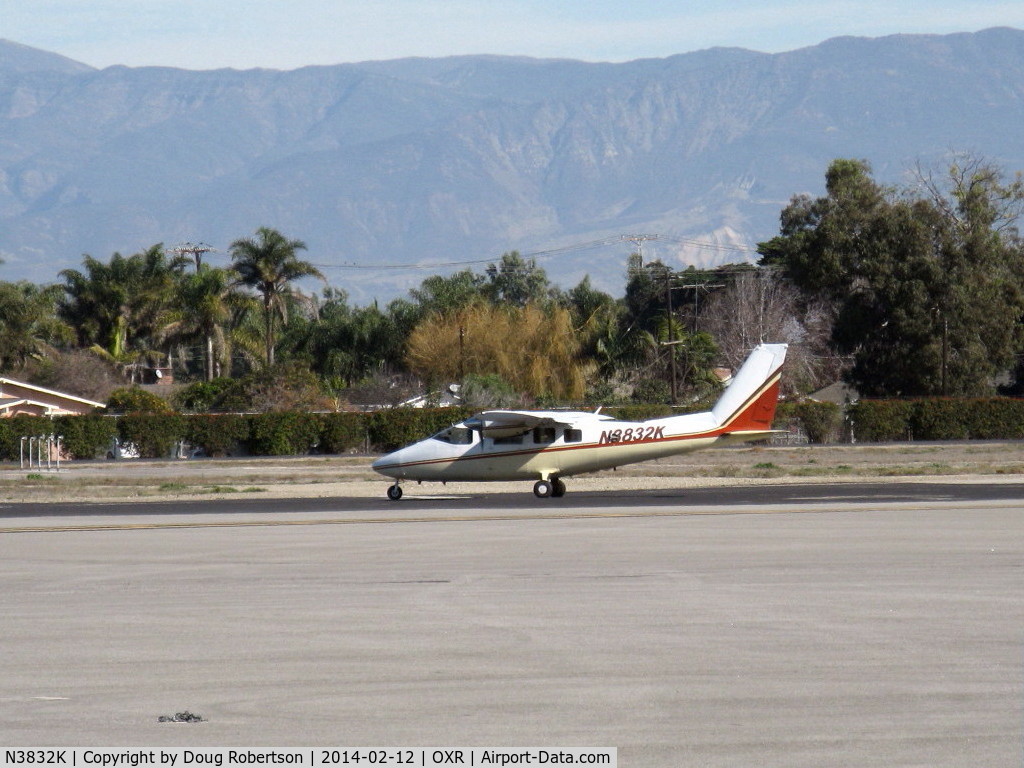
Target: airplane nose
{"x":385,"y":463}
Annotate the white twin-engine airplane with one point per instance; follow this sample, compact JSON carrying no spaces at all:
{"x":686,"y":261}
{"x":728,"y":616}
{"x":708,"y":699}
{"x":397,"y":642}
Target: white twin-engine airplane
{"x":548,"y":445}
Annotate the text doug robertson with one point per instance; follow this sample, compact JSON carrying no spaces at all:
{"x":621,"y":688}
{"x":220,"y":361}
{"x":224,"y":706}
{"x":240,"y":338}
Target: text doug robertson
{"x":188,"y":757}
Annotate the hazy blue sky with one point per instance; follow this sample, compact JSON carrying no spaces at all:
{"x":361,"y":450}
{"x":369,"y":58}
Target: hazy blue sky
{"x":285,"y":34}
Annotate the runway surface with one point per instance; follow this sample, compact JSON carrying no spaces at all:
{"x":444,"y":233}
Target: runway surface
{"x":773,"y":626}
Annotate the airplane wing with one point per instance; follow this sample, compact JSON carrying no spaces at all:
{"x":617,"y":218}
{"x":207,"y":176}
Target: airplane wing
{"x":511,"y":423}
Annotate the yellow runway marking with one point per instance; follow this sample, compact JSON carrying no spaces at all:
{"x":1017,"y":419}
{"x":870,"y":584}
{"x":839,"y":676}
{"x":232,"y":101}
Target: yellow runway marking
{"x":346,"y":521}
{"x":278,"y":522}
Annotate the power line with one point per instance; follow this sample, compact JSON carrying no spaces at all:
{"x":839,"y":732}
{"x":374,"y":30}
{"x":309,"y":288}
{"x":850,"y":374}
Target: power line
{"x":548,"y":253}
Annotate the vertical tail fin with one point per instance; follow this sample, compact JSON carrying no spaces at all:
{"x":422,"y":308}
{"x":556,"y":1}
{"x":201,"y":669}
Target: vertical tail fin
{"x":748,"y":403}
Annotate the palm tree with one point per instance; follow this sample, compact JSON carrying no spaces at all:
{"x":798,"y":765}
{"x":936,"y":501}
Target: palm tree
{"x":268,"y":264}
{"x":118,"y":308}
{"x":28,"y":322}
{"x":206,"y":303}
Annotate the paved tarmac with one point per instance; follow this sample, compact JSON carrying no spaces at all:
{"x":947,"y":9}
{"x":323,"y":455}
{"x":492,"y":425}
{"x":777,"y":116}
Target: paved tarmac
{"x":880,"y":628}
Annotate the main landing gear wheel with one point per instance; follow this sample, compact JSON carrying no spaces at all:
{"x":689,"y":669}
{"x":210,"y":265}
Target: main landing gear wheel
{"x":544,"y":489}
{"x":395,"y":492}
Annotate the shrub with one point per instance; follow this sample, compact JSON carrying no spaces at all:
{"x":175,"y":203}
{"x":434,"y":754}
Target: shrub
{"x":9,"y":442}
{"x":216,"y":434}
{"x":878,"y":421}
{"x":651,"y":391}
{"x":202,"y":395}
{"x":283,"y":433}
{"x":639,"y":412}
{"x":88,"y":436}
{"x":136,"y":400}
{"x":822,"y":422}
{"x":342,"y":432}
{"x":21,"y":426}
{"x":939,"y":419}
{"x":995,"y":418}
{"x":154,"y":434}
{"x":392,"y":428}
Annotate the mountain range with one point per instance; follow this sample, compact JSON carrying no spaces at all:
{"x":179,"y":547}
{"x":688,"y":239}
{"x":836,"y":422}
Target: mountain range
{"x":452,"y":161}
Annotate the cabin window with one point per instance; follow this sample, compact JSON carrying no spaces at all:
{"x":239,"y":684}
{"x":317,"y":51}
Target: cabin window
{"x":573,"y":435}
{"x":544,"y":435}
{"x":455,"y":436}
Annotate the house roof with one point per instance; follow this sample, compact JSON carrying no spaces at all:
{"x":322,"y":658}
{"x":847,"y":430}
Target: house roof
{"x":43,"y":391}
{"x":9,"y":403}
{"x":837,"y":392}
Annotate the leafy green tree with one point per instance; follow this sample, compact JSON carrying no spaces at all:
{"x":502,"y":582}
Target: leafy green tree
{"x":351,"y":344}
{"x":587,"y":304}
{"x":645,"y":297}
{"x":516,"y":281}
{"x":269,"y":265}
{"x":28,"y":323}
{"x":446,"y":294}
{"x":926,"y":289}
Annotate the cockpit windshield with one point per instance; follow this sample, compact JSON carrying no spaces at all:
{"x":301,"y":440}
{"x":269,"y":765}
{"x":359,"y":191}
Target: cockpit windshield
{"x":455,"y":435}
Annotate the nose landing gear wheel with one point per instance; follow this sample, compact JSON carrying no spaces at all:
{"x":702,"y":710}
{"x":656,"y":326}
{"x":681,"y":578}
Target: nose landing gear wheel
{"x":559,"y":488}
{"x":395,"y":492}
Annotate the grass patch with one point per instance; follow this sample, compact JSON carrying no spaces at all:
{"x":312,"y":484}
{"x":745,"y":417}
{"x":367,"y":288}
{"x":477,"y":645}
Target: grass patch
{"x":173,"y":487}
{"x":232,"y":489}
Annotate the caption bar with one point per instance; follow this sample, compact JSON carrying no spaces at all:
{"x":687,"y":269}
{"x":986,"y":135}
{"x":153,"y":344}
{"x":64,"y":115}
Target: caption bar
{"x":80,"y":757}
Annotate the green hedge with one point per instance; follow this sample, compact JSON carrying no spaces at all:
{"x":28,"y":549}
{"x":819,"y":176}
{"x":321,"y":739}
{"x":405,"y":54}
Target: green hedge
{"x":881,"y":421}
{"x":343,"y":432}
{"x":937,"y":418}
{"x":265,"y":434}
{"x":394,"y":427}
{"x":86,"y":437}
{"x":822,"y":421}
{"x":154,"y":434}
{"x":996,"y":418}
{"x":283,"y":434}
{"x":16,"y":427}
{"x":217,"y":434}
{"x":279,"y":434}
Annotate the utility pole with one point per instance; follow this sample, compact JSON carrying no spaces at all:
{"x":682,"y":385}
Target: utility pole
{"x":671,"y":335}
{"x":638,"y":241}
{"x":462,"y":353}
{"x":195,"y":250}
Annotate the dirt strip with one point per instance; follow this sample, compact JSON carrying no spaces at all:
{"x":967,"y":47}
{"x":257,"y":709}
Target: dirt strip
{"x":324,"y":476}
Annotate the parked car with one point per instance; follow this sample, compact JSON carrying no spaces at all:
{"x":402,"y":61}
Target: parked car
{"x":119,"y":450}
